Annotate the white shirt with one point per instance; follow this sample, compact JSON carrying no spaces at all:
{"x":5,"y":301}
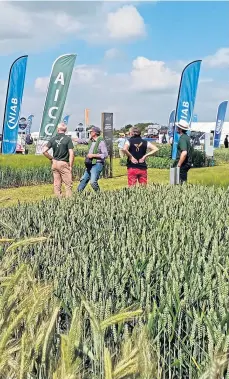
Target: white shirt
{"x":121,"y":142}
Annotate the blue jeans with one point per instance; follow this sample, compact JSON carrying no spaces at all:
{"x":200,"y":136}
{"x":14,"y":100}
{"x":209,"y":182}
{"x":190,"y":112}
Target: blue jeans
{"x":91,"y":174}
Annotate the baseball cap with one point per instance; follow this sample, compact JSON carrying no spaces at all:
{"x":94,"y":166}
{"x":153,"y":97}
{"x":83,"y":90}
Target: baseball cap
{"x":95,"y":129}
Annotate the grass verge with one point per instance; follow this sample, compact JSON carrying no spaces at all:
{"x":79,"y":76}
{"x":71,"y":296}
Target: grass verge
{"x":217,"y":176}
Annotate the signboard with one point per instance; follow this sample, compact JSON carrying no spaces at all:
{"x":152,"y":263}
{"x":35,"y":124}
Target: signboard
{"x":175,"y":175}
{"x":208,"y":143}
{"x":107,"y":129}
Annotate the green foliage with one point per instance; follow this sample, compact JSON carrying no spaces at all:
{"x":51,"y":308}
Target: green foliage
{"x":82,"y":151}
{"x":25,"y":308}
{"x":221,"y":155}
{"x":164,"y":151}
{"x":19,"y":161}
{"x":23,"y":170}
{"x":162,"y":158}
{"x":162,"y":249}
{"x":33,"y":343}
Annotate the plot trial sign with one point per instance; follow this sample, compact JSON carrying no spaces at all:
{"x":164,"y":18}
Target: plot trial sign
{"x":107,"y":129}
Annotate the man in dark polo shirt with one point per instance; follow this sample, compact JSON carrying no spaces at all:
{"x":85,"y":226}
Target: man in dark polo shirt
{"x":62,"y":160}
{"x":136,"y":150}
{"x":184,"y":151}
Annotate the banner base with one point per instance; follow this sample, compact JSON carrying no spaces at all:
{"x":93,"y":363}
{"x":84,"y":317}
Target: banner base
{"x":175,"y":175}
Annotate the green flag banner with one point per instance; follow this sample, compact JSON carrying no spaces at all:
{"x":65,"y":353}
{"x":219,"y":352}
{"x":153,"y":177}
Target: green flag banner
{"x":56,"y":96}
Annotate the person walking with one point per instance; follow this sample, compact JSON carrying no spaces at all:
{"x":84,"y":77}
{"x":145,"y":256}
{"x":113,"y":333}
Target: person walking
{"x":226,"y":142}
{"x":94,"y":161}
{"x":62,"y":160}
{"x":164,"y":140}
{"x":184,"y":151}
{"x":121,"y":143}
{"x":136,"y":150}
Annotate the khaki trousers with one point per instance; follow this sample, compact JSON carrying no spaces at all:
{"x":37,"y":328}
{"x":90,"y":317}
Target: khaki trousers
{"x":62,"y":174}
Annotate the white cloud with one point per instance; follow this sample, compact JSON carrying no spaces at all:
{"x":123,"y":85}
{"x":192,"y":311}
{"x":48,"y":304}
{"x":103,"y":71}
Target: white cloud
{"x":219,"y":60}
{"x":85,"y":74}
{"x":150,"y":75}
{"x":39,"y":25}
{"x":94,"y":88}
{"x":125,"y":23}
{"x":146,"y":94}
{"x":206,"y":80}
{"x":112,"y":53}
{"x":41,"y":84}
{"x":67,"y":23}
{"x":13,"y":22}
{"x":34,"y":29}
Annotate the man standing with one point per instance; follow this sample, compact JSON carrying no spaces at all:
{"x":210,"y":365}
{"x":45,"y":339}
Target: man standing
{"x":226,"y":142}
{"x":94,"y":161}
{"x":184,"y":151}
{"x":62,"y":160}
{"x":121,"y":143}
{"x":164,"y":140}
{"x":136,"y":150}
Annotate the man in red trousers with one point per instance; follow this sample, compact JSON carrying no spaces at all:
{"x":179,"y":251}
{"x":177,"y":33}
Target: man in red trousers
{"x":136,"y":150}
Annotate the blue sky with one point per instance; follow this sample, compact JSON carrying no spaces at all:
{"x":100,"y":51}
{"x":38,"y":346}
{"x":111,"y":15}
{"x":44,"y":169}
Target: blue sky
{"x":130,"y":55}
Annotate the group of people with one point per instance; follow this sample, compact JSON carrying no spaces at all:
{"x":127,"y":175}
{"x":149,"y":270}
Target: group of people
{"x":136,"y":148}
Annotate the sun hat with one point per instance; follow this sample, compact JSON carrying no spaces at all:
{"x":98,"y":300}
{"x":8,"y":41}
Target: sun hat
{"x":95,"y":129}
{"x":182,"y":124}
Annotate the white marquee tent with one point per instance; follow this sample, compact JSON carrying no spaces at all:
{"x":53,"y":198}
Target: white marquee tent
{"x":207,"y":127}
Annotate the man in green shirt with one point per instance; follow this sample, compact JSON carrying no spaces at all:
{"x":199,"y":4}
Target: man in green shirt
{"x":184,"y":150}
{"x":62,"y":160}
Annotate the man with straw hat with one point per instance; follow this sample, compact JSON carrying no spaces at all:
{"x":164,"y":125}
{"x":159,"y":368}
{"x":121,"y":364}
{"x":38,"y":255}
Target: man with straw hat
{"x":121,"y":143}
{"x":184,"y":150}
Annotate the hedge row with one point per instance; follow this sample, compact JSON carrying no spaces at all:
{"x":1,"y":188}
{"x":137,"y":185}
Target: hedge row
{"x":162,"y":159}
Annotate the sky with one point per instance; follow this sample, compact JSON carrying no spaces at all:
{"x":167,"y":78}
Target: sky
{"x":130,"y":56}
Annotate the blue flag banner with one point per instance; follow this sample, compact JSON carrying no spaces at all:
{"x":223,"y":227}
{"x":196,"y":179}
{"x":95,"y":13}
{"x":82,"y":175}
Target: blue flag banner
{"x":65,"y":120}
{"x":13,"y":105}
{"x":219,"y":123}
{"x":29,"y":124}
{"x":171,"y":123}
{"x":186,"y":98}
{"x":195,"y":118}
